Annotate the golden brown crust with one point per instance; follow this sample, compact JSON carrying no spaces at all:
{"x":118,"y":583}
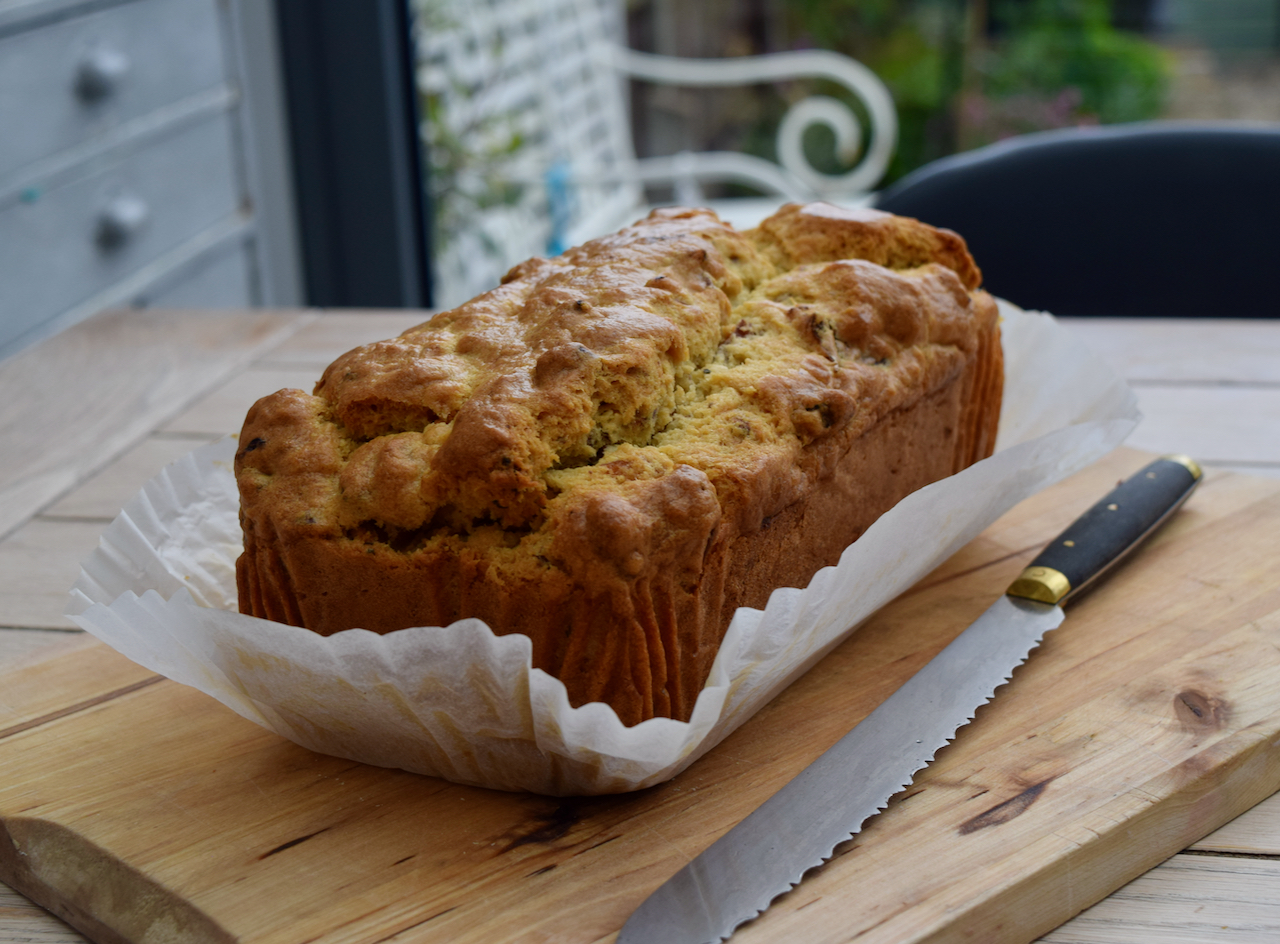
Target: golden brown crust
{"x":820,"y":232}
{"x":618,"y":447}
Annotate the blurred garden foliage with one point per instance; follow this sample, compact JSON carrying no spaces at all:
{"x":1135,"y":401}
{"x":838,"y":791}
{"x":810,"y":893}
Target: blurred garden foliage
{"x":965,"y":74}
{"x":1067,"y":53}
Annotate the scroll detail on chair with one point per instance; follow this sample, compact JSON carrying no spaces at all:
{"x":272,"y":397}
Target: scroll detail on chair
{"x":528,"y":136}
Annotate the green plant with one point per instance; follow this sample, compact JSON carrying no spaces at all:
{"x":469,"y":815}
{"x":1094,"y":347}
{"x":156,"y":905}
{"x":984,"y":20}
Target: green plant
{"x":961,"y":78}
{"x":1046,"y":46}
{"x":469,"y":149}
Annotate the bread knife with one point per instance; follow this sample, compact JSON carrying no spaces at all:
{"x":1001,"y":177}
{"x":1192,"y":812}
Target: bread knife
{"x":736,"y":878}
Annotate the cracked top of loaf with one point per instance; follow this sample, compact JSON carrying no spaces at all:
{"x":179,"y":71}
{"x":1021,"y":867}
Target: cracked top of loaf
{"x":605,"y":410}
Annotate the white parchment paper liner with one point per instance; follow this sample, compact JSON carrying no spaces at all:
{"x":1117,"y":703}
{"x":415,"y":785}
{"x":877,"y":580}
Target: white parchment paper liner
{"x":462,"y":703}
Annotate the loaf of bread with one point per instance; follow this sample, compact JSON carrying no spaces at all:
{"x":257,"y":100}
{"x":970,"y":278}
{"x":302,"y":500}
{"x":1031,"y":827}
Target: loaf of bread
{"x":618,"y":447}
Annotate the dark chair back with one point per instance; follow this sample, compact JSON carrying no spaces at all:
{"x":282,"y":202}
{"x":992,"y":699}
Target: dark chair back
{"x":1152,"y":219}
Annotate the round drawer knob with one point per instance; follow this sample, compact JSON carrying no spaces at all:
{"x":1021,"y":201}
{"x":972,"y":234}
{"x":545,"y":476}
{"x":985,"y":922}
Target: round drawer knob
{"x":120,"y":220}
{"x":100,"y":73}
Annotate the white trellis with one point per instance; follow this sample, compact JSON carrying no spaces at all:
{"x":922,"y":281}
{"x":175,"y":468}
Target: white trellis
{"x":527,"y":125}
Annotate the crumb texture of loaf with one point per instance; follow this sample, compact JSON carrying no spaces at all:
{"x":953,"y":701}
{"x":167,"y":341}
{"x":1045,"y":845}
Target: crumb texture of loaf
{"x":617,"y":447}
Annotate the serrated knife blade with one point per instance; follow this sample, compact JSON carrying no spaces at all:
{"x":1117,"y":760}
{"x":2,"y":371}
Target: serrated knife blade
{"x":736,"y":878}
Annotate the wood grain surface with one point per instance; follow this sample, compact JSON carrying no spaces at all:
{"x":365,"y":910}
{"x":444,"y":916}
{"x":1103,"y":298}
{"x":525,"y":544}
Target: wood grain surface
{"x":134,"y":805}
{"x":1207,"y":387}
{"x":79,"y":399}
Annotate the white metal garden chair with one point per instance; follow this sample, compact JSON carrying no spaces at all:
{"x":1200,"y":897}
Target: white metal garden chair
{"x":529,"y":136}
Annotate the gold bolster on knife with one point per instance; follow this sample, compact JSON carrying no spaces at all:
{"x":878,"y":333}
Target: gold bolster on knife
{"x":1187,"y":463}
{"x":1040,"y":583}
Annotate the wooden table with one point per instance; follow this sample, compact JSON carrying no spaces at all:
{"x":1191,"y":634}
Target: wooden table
{"x":90,"y":415}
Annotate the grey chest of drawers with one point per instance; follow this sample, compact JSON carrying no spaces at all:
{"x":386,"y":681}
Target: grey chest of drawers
{"x":142,"y":160}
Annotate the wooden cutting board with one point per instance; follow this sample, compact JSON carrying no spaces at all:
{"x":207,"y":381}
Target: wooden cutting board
{"x":142,"y":811}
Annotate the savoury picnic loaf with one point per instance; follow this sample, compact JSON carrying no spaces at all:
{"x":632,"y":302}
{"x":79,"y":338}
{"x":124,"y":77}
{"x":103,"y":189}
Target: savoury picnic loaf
{"x":618,"y":447}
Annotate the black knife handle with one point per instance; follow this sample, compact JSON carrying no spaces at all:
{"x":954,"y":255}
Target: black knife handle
{"x":1108,"y":531}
